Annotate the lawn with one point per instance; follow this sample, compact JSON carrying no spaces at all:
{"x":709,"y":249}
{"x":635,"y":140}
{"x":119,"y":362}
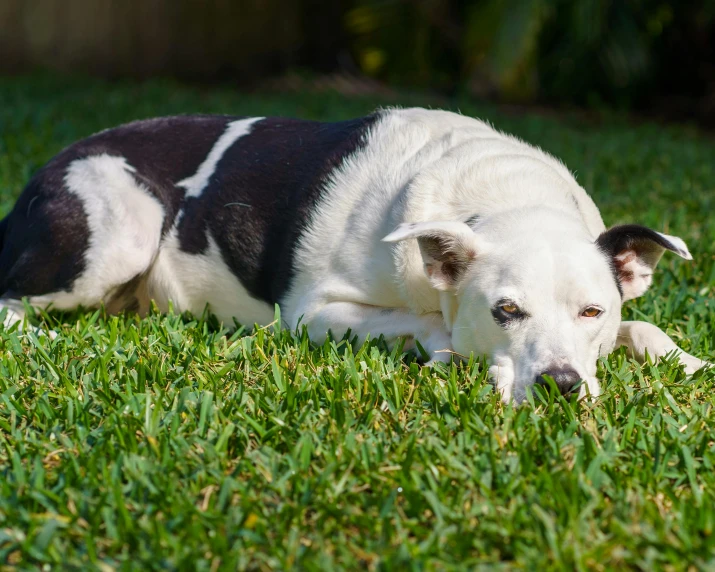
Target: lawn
{"x":168,"y":442}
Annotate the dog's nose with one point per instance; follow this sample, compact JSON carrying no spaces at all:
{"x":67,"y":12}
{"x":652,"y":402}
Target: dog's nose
{"x":566,"y":379}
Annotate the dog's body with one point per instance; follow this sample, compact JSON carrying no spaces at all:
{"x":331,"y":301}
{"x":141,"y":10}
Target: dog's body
{"x":244,"y":213}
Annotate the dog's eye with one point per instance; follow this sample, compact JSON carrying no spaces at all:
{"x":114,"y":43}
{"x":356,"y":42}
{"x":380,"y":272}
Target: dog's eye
{"x":506,"y":313}
{"x":510,"y":308}
{"x":592,"y":312}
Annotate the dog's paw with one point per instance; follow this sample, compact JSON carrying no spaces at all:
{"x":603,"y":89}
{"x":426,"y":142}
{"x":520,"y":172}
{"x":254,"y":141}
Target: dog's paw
{"x":443,"y":356}
{"x":501,"y":375}
{"x":439,"y":347}
{"x":691,"y":364}
{"x":49,"y":333}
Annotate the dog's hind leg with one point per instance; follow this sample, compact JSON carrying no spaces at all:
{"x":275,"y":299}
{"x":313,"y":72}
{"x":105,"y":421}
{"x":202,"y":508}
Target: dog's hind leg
{"x":14,"y":311}
{"x":82,"y":233}
{"x":642,"y":338}
{"x":392,"y":323}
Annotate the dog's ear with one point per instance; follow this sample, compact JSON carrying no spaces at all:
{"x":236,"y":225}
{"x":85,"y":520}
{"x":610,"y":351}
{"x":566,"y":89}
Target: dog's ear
{"x":635,"y":251}
{"x":447,"y":248}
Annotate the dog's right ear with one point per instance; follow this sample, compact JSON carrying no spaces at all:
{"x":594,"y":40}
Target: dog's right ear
{"x":447,"y":248}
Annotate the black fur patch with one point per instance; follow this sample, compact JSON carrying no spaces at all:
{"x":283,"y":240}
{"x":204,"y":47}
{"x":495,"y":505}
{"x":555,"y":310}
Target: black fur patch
{"x":163,"y":151}
{"x":631,"y":236}
{"x":44,"y":239}
{"x":472,"y":220}
{"x":256,"y":204}
{"x":45,"y":236}
{"x":641,"y":239}
{"x":262,"y":194}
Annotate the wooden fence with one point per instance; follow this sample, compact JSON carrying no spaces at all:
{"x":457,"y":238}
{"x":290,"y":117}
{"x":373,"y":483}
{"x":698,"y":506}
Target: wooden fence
{"x":185,"y":38}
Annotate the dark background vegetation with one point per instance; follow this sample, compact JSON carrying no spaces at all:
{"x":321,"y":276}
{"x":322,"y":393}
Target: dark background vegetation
{"x":648,"y":56}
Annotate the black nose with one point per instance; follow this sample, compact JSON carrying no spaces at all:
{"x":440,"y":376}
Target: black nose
{"x":566,"y":379}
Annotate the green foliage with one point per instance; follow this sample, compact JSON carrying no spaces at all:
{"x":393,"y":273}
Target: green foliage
{"x":167,"y":442}
{"x":577,"y":51}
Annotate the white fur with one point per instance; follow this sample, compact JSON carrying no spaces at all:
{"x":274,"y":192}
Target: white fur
{"x":418,"y":166}
{"x":637,"y":270}
{"x":363,"y":320}
{"x":124,"y":221}
{"x":15,"y":314}
{"x":420,"y":173}
{"x":14,"y":311}
{"x":191,"y":281}
{"x":546,"y":263}
{"x":456,"y":238}
{"x":534,"y":242}
{"x":680,"y":247}
{"x":646,"y":340}
{"x":196,"y":184}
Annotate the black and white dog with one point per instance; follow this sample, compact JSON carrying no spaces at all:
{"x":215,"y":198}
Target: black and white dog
{"x":407,"y":223}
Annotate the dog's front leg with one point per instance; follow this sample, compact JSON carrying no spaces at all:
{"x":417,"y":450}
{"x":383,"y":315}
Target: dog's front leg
{"x":392,"y":323}
{"x":641,"y":338}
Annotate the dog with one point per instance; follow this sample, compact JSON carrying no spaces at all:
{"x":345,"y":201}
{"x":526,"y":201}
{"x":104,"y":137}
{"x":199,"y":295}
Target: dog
{"x":408,"y":223}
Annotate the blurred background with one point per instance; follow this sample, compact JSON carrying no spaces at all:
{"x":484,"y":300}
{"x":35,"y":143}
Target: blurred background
{"x":651,"y":57}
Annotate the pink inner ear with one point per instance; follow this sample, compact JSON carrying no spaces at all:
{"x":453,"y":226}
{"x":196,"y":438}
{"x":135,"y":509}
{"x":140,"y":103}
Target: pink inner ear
{"x":623,"y":261}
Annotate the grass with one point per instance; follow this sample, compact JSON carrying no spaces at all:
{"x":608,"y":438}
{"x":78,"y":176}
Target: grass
{"x":168,"y":443}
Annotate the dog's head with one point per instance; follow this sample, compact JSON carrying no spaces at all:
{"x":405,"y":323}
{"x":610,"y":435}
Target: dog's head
{"x":535,"y":293}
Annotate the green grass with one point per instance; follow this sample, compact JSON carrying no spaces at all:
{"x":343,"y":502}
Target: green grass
{"x":166,"y":442}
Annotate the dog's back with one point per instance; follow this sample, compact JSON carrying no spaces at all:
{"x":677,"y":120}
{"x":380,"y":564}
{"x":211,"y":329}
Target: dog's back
{"x":92,"y":224}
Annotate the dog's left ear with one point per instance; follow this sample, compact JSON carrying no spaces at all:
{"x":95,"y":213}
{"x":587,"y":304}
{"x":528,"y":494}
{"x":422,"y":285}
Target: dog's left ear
{"x":447,"y":248}
{"x":635,"y":251}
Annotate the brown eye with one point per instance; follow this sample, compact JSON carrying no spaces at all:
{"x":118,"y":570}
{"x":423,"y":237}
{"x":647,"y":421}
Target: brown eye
{"x":510,"y":308}
{"x":592,"y":312}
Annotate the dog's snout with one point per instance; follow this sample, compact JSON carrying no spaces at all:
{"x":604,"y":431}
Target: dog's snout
{"x":565,"y":378}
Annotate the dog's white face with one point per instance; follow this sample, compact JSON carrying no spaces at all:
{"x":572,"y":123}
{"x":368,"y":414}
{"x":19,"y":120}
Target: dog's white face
{"x":535,"y":293}
{"x":540,"y":301}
